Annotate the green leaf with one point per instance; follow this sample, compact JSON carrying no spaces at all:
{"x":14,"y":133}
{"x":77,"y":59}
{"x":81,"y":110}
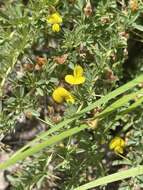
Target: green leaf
{"x":39,"y":91}
{"x":112,"y":178}
{"x":138,"y":27}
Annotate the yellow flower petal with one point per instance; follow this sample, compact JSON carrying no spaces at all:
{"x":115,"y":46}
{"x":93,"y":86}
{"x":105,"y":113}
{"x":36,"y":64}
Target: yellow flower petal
{"x":69,"y":99}
{"x":70,"y":79}
{"x":122,"y":143}
{"x":112,"y":144}
{"x":78,"y":71}
{"x":57,"y":94}
{"x":77,"y":77}
{"x":74,"y":80}
{"x":118,"y":149}
{"x":56,"y":28}
{"x":54,"y":18}
{"x":80,"y":80}
{"x":61,"y":94}
{"x":117,"y":144}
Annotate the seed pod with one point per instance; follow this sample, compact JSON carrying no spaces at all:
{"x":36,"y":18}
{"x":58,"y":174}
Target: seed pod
{"x":92,"y":123}
{"x":133,"y":5}
{"x":28,"y":66}
{"x":104,"y":20}
{"x":110,"y":75}
{"x":61,"y":59}
{"x":40,"y":61}
{"x":56,"y":119}
{"x":28,"y":115}
{"x":88,"y":9}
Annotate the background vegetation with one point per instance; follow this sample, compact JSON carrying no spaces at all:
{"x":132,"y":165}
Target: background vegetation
{"x":50,"y":145}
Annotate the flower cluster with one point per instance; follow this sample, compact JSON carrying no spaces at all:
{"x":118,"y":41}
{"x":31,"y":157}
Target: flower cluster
{"x":55,"y":20}
{"x":39,"y":63}
{"x":77,"y":77}
{"x":60,"y":94}
{"x":117,"y":144}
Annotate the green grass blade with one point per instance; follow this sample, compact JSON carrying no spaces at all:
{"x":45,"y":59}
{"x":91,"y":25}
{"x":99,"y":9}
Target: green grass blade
{"x":23,"y":153}
{"x":40,"y":146}
{"x":112,"y":178}
{"x":99,"y":102}
{"x":136,"y":104}
{"x":113,"y":94}
{"x":121,"y":102}
{"x":45,"y":134}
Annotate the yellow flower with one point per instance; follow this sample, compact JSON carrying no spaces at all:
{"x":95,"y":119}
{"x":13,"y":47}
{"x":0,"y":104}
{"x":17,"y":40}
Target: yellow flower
{"x":60,"y":95}
{"x":54,"y":18}
{"x":117,"y":144}
{"x":56,"y":28}
{"x":77,"y":77}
